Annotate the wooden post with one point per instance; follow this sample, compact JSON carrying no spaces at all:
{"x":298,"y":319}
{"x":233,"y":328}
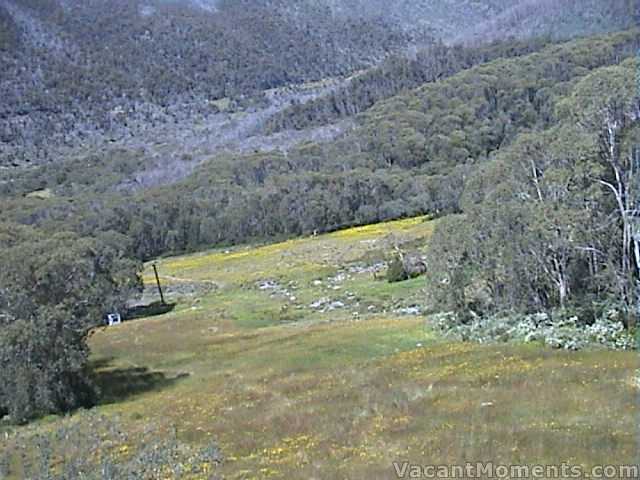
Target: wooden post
{"x":155,"y":270}
{"x":635,"y":175}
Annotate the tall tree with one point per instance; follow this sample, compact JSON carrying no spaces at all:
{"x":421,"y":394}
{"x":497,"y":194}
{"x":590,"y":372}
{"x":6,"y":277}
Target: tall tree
{"x":53,"y":292}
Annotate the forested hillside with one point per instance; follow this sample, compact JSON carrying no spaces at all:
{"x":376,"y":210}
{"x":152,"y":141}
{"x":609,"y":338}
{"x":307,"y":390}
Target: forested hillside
{"x":76,"y":70}
{"x":82,"y":74}
{"x":484,"y":20}
{"x":394,"y":75}
{"x":548,"y":223}
{"x":555,"y":18}
{"x":408,"y":155}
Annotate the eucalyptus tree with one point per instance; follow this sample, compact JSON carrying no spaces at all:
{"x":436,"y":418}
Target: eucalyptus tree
{"x":54,"y":290}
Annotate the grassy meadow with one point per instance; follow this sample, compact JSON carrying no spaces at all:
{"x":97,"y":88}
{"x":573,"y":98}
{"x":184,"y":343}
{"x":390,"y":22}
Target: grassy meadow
{"x":301,"y":363}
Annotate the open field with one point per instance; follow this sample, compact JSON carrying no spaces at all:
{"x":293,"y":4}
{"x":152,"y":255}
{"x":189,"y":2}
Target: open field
{"x":300,"y":364}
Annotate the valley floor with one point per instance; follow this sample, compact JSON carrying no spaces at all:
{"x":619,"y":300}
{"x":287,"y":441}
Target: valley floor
{"x":300,"y":364}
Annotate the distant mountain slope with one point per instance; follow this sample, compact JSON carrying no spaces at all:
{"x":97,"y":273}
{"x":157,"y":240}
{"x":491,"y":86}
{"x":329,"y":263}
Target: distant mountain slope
{"x":410,"y":154}
{"x":394,"y":75}
{"x":74,"y":68}
{"x":470,"y":23}
{"x":77,"y":72}
{"x":456,"y":20}
{"x":556,"y":19}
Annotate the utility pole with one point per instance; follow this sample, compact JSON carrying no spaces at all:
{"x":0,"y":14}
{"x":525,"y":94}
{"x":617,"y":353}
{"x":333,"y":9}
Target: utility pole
{"x":635,"y":165}
{"x":634,"y":186}
{"x":155,"y":270}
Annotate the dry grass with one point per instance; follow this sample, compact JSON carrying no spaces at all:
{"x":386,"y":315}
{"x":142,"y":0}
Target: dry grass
{"x":338,"y":396}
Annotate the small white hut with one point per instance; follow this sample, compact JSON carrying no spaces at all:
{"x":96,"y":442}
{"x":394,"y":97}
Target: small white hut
{"x":114,"y":319}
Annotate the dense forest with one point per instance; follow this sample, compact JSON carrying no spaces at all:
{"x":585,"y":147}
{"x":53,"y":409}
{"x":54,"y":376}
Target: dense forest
{"x":548,"y":222}
{"x":408,"y":155}
{"x":68,"y":77}
{"x":79,"y":73}
{"x":395,"y":75}
{"x":121,"y":67}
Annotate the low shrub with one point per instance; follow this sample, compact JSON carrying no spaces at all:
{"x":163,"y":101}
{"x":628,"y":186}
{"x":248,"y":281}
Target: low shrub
{"x":558,"y":330}
{"x":396,"y":271}
{"x":404,"y":266}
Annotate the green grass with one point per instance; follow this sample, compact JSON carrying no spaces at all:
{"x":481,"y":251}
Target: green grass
{"x":289,"y":391}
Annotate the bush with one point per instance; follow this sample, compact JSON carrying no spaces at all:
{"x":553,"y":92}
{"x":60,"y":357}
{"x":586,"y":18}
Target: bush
{"x":53,"y":292}
{"x":404,"y":266}
{"x":396,"y":271}
{"x":557,"y":331}
{"x":43,"y":368}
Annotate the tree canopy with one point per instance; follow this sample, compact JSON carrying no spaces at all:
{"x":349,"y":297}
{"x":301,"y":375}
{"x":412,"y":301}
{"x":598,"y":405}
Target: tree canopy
{"x":53,"y":292}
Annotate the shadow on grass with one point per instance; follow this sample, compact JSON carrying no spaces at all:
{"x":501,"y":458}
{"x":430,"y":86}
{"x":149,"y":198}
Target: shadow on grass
{"x":151,"y":310}
{"x":118,"y":384}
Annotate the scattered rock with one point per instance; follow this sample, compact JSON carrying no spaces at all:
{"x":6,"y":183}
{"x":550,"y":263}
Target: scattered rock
{"x":414,"y":310}
{"x":339,"y":278}
{"x":278,"y":290}
{"x":335,"y":305}
{"x":363,"y":268}
{"x":319,"y":303}
{"x":268,"y":285}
